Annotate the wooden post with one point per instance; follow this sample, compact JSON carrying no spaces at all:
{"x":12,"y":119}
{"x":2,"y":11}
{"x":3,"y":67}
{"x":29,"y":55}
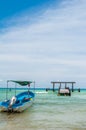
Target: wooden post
{"x":53,"y":87}
{"x":72,"y":88}
{"x":65,"y":84}
{"x":60,"y":85}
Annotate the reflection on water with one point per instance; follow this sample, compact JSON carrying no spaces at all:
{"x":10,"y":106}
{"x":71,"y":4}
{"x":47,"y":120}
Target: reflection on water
{"x":49,"y":112}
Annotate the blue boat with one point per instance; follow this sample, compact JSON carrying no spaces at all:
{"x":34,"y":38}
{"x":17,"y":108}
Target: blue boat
{"x":20,"y":102}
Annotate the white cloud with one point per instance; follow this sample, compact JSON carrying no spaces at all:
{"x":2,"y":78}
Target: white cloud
{"x":53,"y":48}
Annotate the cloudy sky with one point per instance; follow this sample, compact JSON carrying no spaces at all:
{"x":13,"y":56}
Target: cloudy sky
{"x":43,"y":40}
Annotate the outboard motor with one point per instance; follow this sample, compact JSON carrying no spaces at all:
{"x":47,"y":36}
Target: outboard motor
{"x":12,"y":101}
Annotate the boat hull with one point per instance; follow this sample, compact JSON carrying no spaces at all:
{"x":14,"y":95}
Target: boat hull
{"x":16,"y":109}
{"x":19,"y":106}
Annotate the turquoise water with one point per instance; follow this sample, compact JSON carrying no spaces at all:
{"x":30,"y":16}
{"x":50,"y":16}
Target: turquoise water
{"x":49,"y":112}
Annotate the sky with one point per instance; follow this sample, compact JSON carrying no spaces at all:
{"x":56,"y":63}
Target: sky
{"x":43,"y":41}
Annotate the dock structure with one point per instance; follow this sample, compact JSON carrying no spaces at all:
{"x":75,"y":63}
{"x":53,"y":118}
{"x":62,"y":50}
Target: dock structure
{"x":65,"y":83}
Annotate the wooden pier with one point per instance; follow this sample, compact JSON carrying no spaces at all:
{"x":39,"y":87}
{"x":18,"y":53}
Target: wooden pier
{"x":65,"y":83}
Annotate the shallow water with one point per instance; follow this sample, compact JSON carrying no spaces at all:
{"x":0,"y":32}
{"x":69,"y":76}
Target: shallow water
{"x":49,"y":112}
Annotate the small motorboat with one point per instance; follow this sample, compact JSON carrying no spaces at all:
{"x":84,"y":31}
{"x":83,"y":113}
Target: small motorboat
{"x":19,"y":102}
{"x":64,"y":92}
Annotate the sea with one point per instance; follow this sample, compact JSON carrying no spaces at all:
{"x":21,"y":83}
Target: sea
{"x":48,"y":112}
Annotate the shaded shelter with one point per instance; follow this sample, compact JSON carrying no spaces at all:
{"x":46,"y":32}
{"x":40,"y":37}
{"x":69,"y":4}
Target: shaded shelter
{"x":65,"y":83}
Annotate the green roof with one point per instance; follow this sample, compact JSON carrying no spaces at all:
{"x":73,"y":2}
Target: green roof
{"x":22,"y":83}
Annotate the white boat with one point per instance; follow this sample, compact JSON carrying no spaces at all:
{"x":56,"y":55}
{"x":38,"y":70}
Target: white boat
{"x":64,"y":92}
{"x":20,"y":102}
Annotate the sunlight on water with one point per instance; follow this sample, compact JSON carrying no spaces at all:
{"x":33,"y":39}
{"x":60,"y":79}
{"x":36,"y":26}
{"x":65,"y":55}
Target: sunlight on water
{"x":49,"y":111}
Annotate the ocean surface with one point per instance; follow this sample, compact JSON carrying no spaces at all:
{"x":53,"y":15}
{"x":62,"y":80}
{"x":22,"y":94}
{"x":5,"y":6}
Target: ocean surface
{"x":49,"y":112}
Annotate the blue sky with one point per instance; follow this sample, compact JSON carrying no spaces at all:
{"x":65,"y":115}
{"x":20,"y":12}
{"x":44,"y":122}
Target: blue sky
{"x":9,"y":8}
{"x":15,"y":8}
{"x":43,"y":40}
